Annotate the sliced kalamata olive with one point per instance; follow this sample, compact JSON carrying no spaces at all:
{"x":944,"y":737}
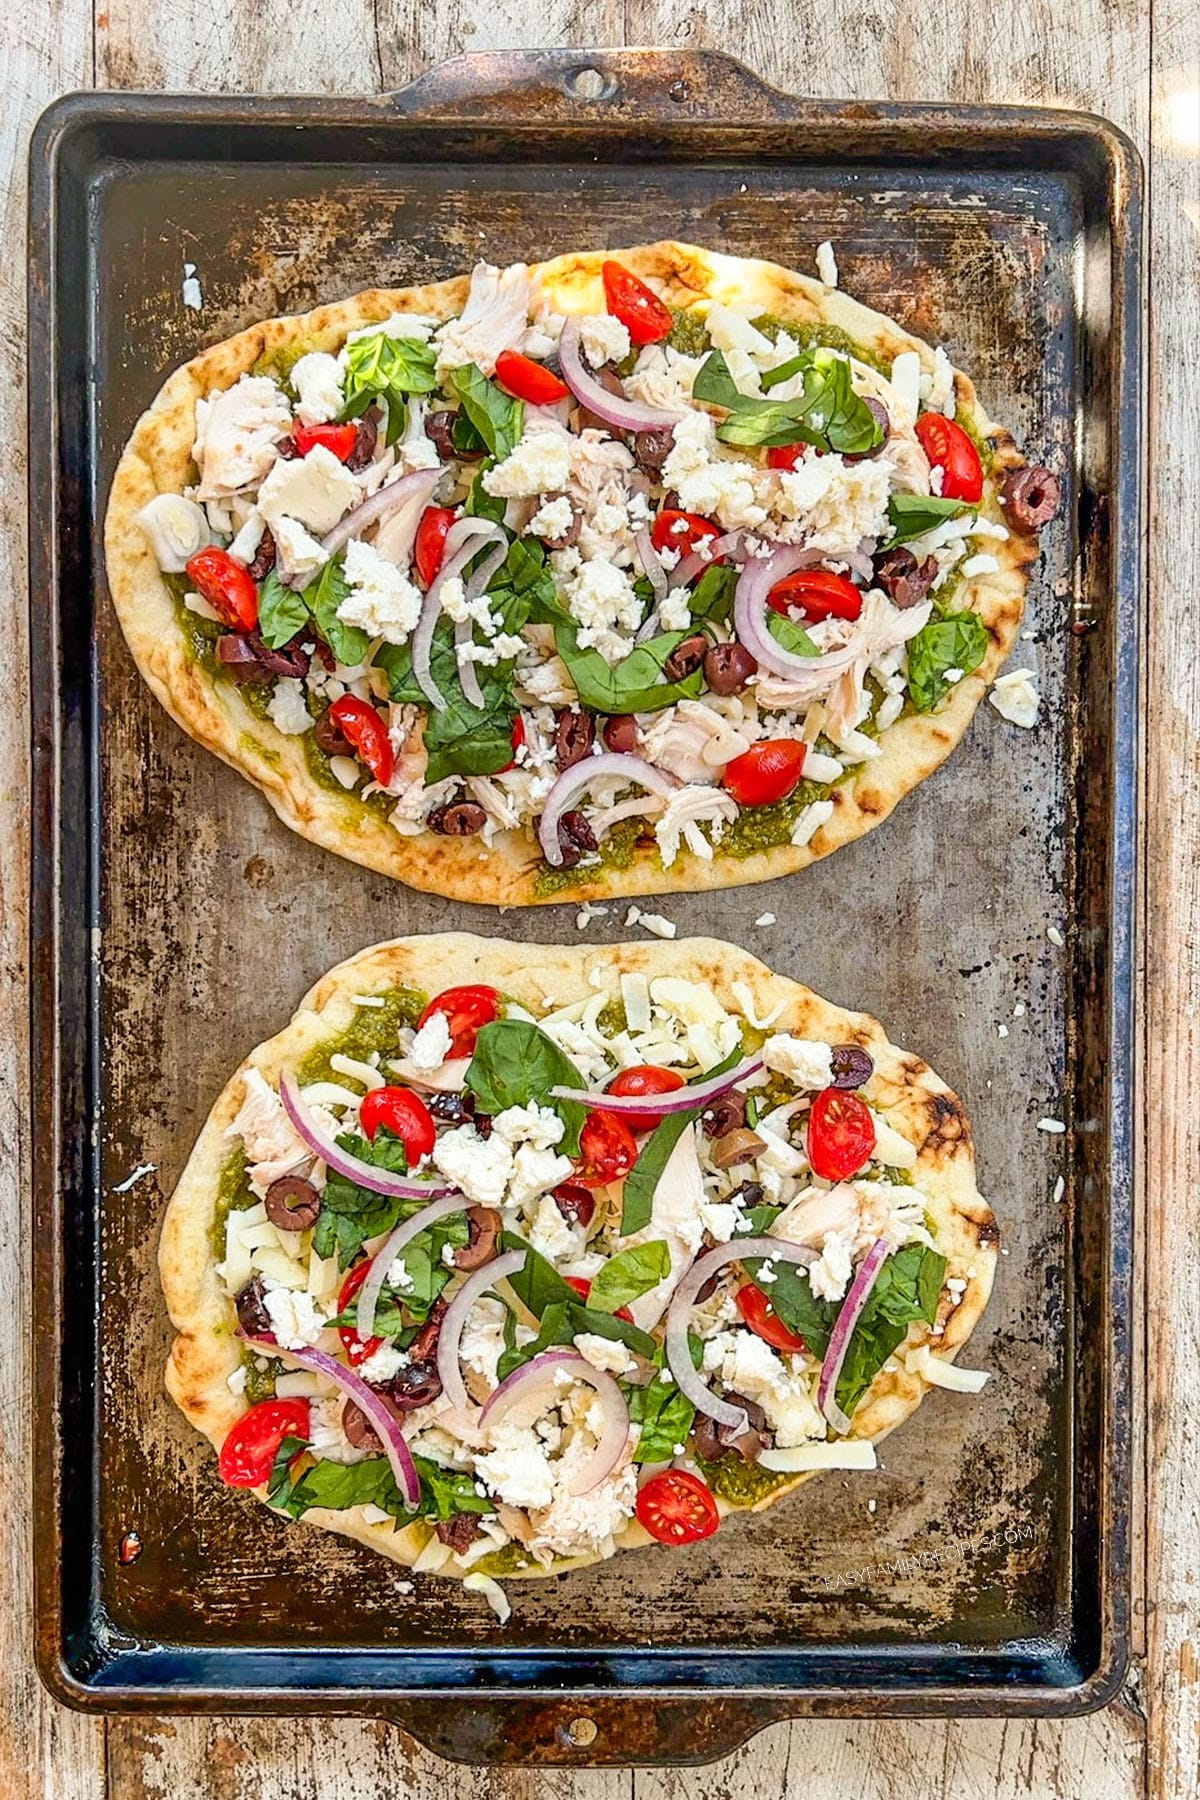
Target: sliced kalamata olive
{"x":686,"y":657}
{"x":726,"y":1113}
{"x":358,"y":1428}
{"x":286,"y":449}
{"x":1031,"y":497}
{"x":852,"y":1067}
{"x":728,"y":667}
{"x":365,"y":440}
{"x":484,"y":1225}
{"x":438,"y":427}
{"x":576,"y":1204}
{"x":737,"y":1146}
{"x":252,"y":1314}
{"x":652,"y":447}
{"x":608,"y":378}
{"x":574,"y":735}
{"x":879,"y":412}
{"x":749,"y":1194}
{"x":903,"y":578}
{"x":328,"y":734}
{"x":291,"y":660}
{"x":570,"y":536}
{"x":414,"y":1386}
{"x":458,"y":818}
{"x":292,"y":1203}
{"x":713,"y":1440}
{"x":236,"y":656}
{"x":621,"y":734}
{"x":423,"y":1348}
{"x":459,"y":1531}
{"x":483,"y":1124}
{"x":451,"y":1109}
{"x":575,"y":836}
{"x":707,"y":1289}
{"x":264,"y":557}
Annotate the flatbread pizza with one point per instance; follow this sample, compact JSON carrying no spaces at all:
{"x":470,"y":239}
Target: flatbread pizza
{"x":626,"y":573}
{"x":501,"y":1258}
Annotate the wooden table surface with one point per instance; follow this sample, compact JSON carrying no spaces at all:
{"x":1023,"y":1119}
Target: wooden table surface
{"x":1138,"y":62}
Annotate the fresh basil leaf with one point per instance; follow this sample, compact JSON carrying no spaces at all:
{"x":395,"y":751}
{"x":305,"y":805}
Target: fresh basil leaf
{"x":279,"y":1480}
{"x":515,"y":1062}
{"x":954,"y":641}
{"x":555,"y":1329}
{"x":906,"y":1289}
{"x":641,"y":1181}
{"x":341,"y":1485}
{"x":539,"y":1284}
{"x":789,"y":635}
{"x":634,"y":685}
{"x":712,"y":597}
{"x":464,"y":739}
{"x":827,"y":413}
{"x":282,"y":612}
{"x":479,"y":503}
{"x":351,"y":1214}
{"x":665,"y":1415}
{"x":495,"y":416}
{"x":379,"y":367}
{"x":914,"y":514}
{"x":792,"y":1298}
{"x":607,"y":1325}
{"x":445,"y":1492}
{"x":323,"y":596}
{"x":628,"y":1275}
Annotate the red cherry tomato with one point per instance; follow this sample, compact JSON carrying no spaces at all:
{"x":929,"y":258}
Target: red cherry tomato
{"x":528,"y":380}
{"x":251,"y":1447}
{"x":818,"y":594}
{"x":429,"y":550}
{"x":518,"y":738}
{"x":226,"y":585}
{"x":947,"y":446}
{"x":677,"y":1508}
{"x":647,"y":1078}
{"x":785,"y":456}
{"x":339,"y":440}
{"x":765,"y":772}
{"x":583,"y":1288}
{"x":841,"y":1134}
{"x":641,"y":312}
{"x":607,"y":1148}
{"x":763,"y":1321}
{"x":357,"y":1349}
{"x":682,"y":531}
{"x":362,"y":726}
{"x":468,"y":1010}
{"x":404,"y":1114}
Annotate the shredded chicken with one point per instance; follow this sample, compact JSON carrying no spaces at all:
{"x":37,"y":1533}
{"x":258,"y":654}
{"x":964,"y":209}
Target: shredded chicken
{"x":236,"y":435}
{"x":492,"y":321}
{"x":686,"y":811}
{"x":678,"y":736}
{"x":273,"y":1145}
{"x":674,"y":1220}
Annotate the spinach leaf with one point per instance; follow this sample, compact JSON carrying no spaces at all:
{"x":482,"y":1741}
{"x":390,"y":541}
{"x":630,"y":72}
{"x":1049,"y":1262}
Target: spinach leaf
{"x":322,"y":597}
{"x":638,"y":1195}
{"x":540,"y":1288}
{"x":351,"y":1214}
{"x":523,"y":585}
{"x":514,"y":1063}
{"x":426,"y":1274}
{"x":479,"y":503}
{"x":906,"y":1289}
{"x":955,"y":641}
{"x":789,"y":635}
{"x":281,"y":612}
{"x":665,"y":1415}
{"x":712,"y":596}
{"x":279,"y":1479}
{"x":628,"y":1275}
{"x":913,"y":514}
{"x":539,"y":1284}
{"x":445,"y":1492}
{"x":791,"y":1296}
{"x":494,"y":416}
{"x":635,"y":684}
{"x":389,"y":369}
{"x":464,"y":739}
{"x":555,"y":1329}
{"x":339,"y":1485}
{"x":827,"y":412}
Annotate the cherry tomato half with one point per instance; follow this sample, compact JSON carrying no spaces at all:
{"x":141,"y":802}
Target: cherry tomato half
{"x":226,"y":585}
{"x":467,"y":1010}
{"x":763,"y":1320}
{"x":677,"y":1508}
{"x":647,"y":1078}
{"x":357,"y":1349}
{"x":947,"y":446}
{"x":682,"y":531}
{"x":404,"y":1114}
{"x":607,"y":1148}
{"x":818,"y":594}
{"x":518,"y":738}
{"x":528,"y":380}
{"x":362,"y":727}
{"x":583,"y":1288}
{"x":841,"y":1134}
{"x":641,"y":312}
{"x":251,"y":1447}
{"x":339,"y":440}
{"x":429,"y":550}
{"x":786,"y":456}
{"x":765,"y":772}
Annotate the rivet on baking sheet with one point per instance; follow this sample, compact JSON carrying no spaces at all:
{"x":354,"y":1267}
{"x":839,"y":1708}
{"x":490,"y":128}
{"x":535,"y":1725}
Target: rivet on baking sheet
{"x":679,"y":91}
{"x":130,"y":1548}
{"x":581,"y":1732}
{"x":587,"y":84}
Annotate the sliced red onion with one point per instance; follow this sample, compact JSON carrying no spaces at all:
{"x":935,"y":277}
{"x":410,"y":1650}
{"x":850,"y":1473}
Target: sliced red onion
{"x":379,"y":1181}
{"x":678,"y":1100}
{"x":379,"y":506}
{"x":383,"y":1422}
{"x":533,"y":1388}
{"x":468,"y":674}
{"x":381,"y":1262}
{"x":679,"y":1356}
{"x":843,"y":1331}
{"x":758,"y":577}
{"x":464,"y":540}
{"x":651,"y":562}
{"x":574,"y":780}
{"x":696,"y":561}
{"x":422,"y":650}
{"x":614,"y":409}
{"x":456,"y":1315}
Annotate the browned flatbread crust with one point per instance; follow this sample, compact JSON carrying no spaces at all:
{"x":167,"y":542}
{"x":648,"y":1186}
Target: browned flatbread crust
{"x":915,"y":1099}
{"x":158,"y":460}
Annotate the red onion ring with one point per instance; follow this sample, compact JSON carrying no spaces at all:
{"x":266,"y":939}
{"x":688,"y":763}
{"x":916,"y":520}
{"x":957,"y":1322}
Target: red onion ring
{"x":651,"y":562}
{"x":379,"y":1181}
{"x":695,"y":562}
{"x":758,"y":577}
{"x":679,"y":1356}
{"x":381,"y":1262}
{"x":622,"y":414}
{"x":378,"y":506}
{"x":533,"y":1387}
{"x":456,"y":1315}
{"x":678,"y":1100}
{"x":575,"y":779}
{"x":461,"y":546}
{"x":364,"y":1396}
{"x":843,"y":1331}
{"x":468,"y":675}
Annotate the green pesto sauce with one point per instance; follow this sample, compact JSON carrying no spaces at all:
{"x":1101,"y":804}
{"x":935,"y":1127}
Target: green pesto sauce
{"x":884,"y":1172}
{"x":611,"y":1019}
{"x":260,"y":1383}
{"x":742,"y":1484}
{"x":318,"y":766}
{"x":813,"y":334}
{"x":616,"y":852}
{"x":758,"y":828}
{"x":234,"y":1194}
{"x":510,"y":1559}
{"x":689,"y":334}
{"x":279,"y":362}
{"x":374,"y":1028}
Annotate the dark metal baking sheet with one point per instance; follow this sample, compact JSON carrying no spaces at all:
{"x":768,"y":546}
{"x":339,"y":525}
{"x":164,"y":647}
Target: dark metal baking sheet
{"x":177,"y":923}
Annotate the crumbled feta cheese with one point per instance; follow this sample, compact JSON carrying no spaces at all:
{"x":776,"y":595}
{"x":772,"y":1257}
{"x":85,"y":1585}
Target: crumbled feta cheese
{"x":190,"y":291}
{"x":431,"y":1045}
{"x":657,"y":924}
{"x":296,"y":1320}
{"x":606,"y":1354}
{"x":479,"y":1166}
{"x":300,"y":555}
{"x":534,"y":1124}
{"x":1002,"y":1031}
{"x":1055,"y":936}
{"x":835,"y":503}
{"x":708,"y":483}
{"x":830,"y":1274}
{"x":749,"y":1366}
{"x":548,"y":1232}
{"x":516,"y":1468}
{"x":806,"y":1062}
{"x":602,"y":598}
{"x":906,"y":387}
{"x":286,"y":708}
{"x":382,"y":1364}
{"x":382,"y":600}
{"x":1060,"y":1188}
{"x":765,"y":919}
{"x":397,"y":325}
{"x":552,"y":518}
{"x":540,"y":464}
{"x":244,"y":547}
{"x":983,"y":564}
{"x":1015,"y":697}
{"x":827,"y":267}
{"x":482,"y":1343}
{"x":317,"y":382}
{"x":1054,"y":1126}
{"x":604,"y":339}
{"x":316,"y":489}
{"x":732,"y":330}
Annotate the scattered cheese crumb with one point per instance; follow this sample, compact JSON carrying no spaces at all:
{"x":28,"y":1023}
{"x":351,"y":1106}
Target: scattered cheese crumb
{"x":871,"y":1504}
{"x":1002,"y":1031}
{"x":765,"y":919}
{"x":655,"y":922}
{"x":1055,"y":936}
{"x":1019,"y":1010}
{"x":1060,"y":1188}
{"x":191,"y":293}
{"x":493,"y":1593}
{"x":1054,"y":1126}
{"x":1015,"y":697}
{"x":827,"y":267}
